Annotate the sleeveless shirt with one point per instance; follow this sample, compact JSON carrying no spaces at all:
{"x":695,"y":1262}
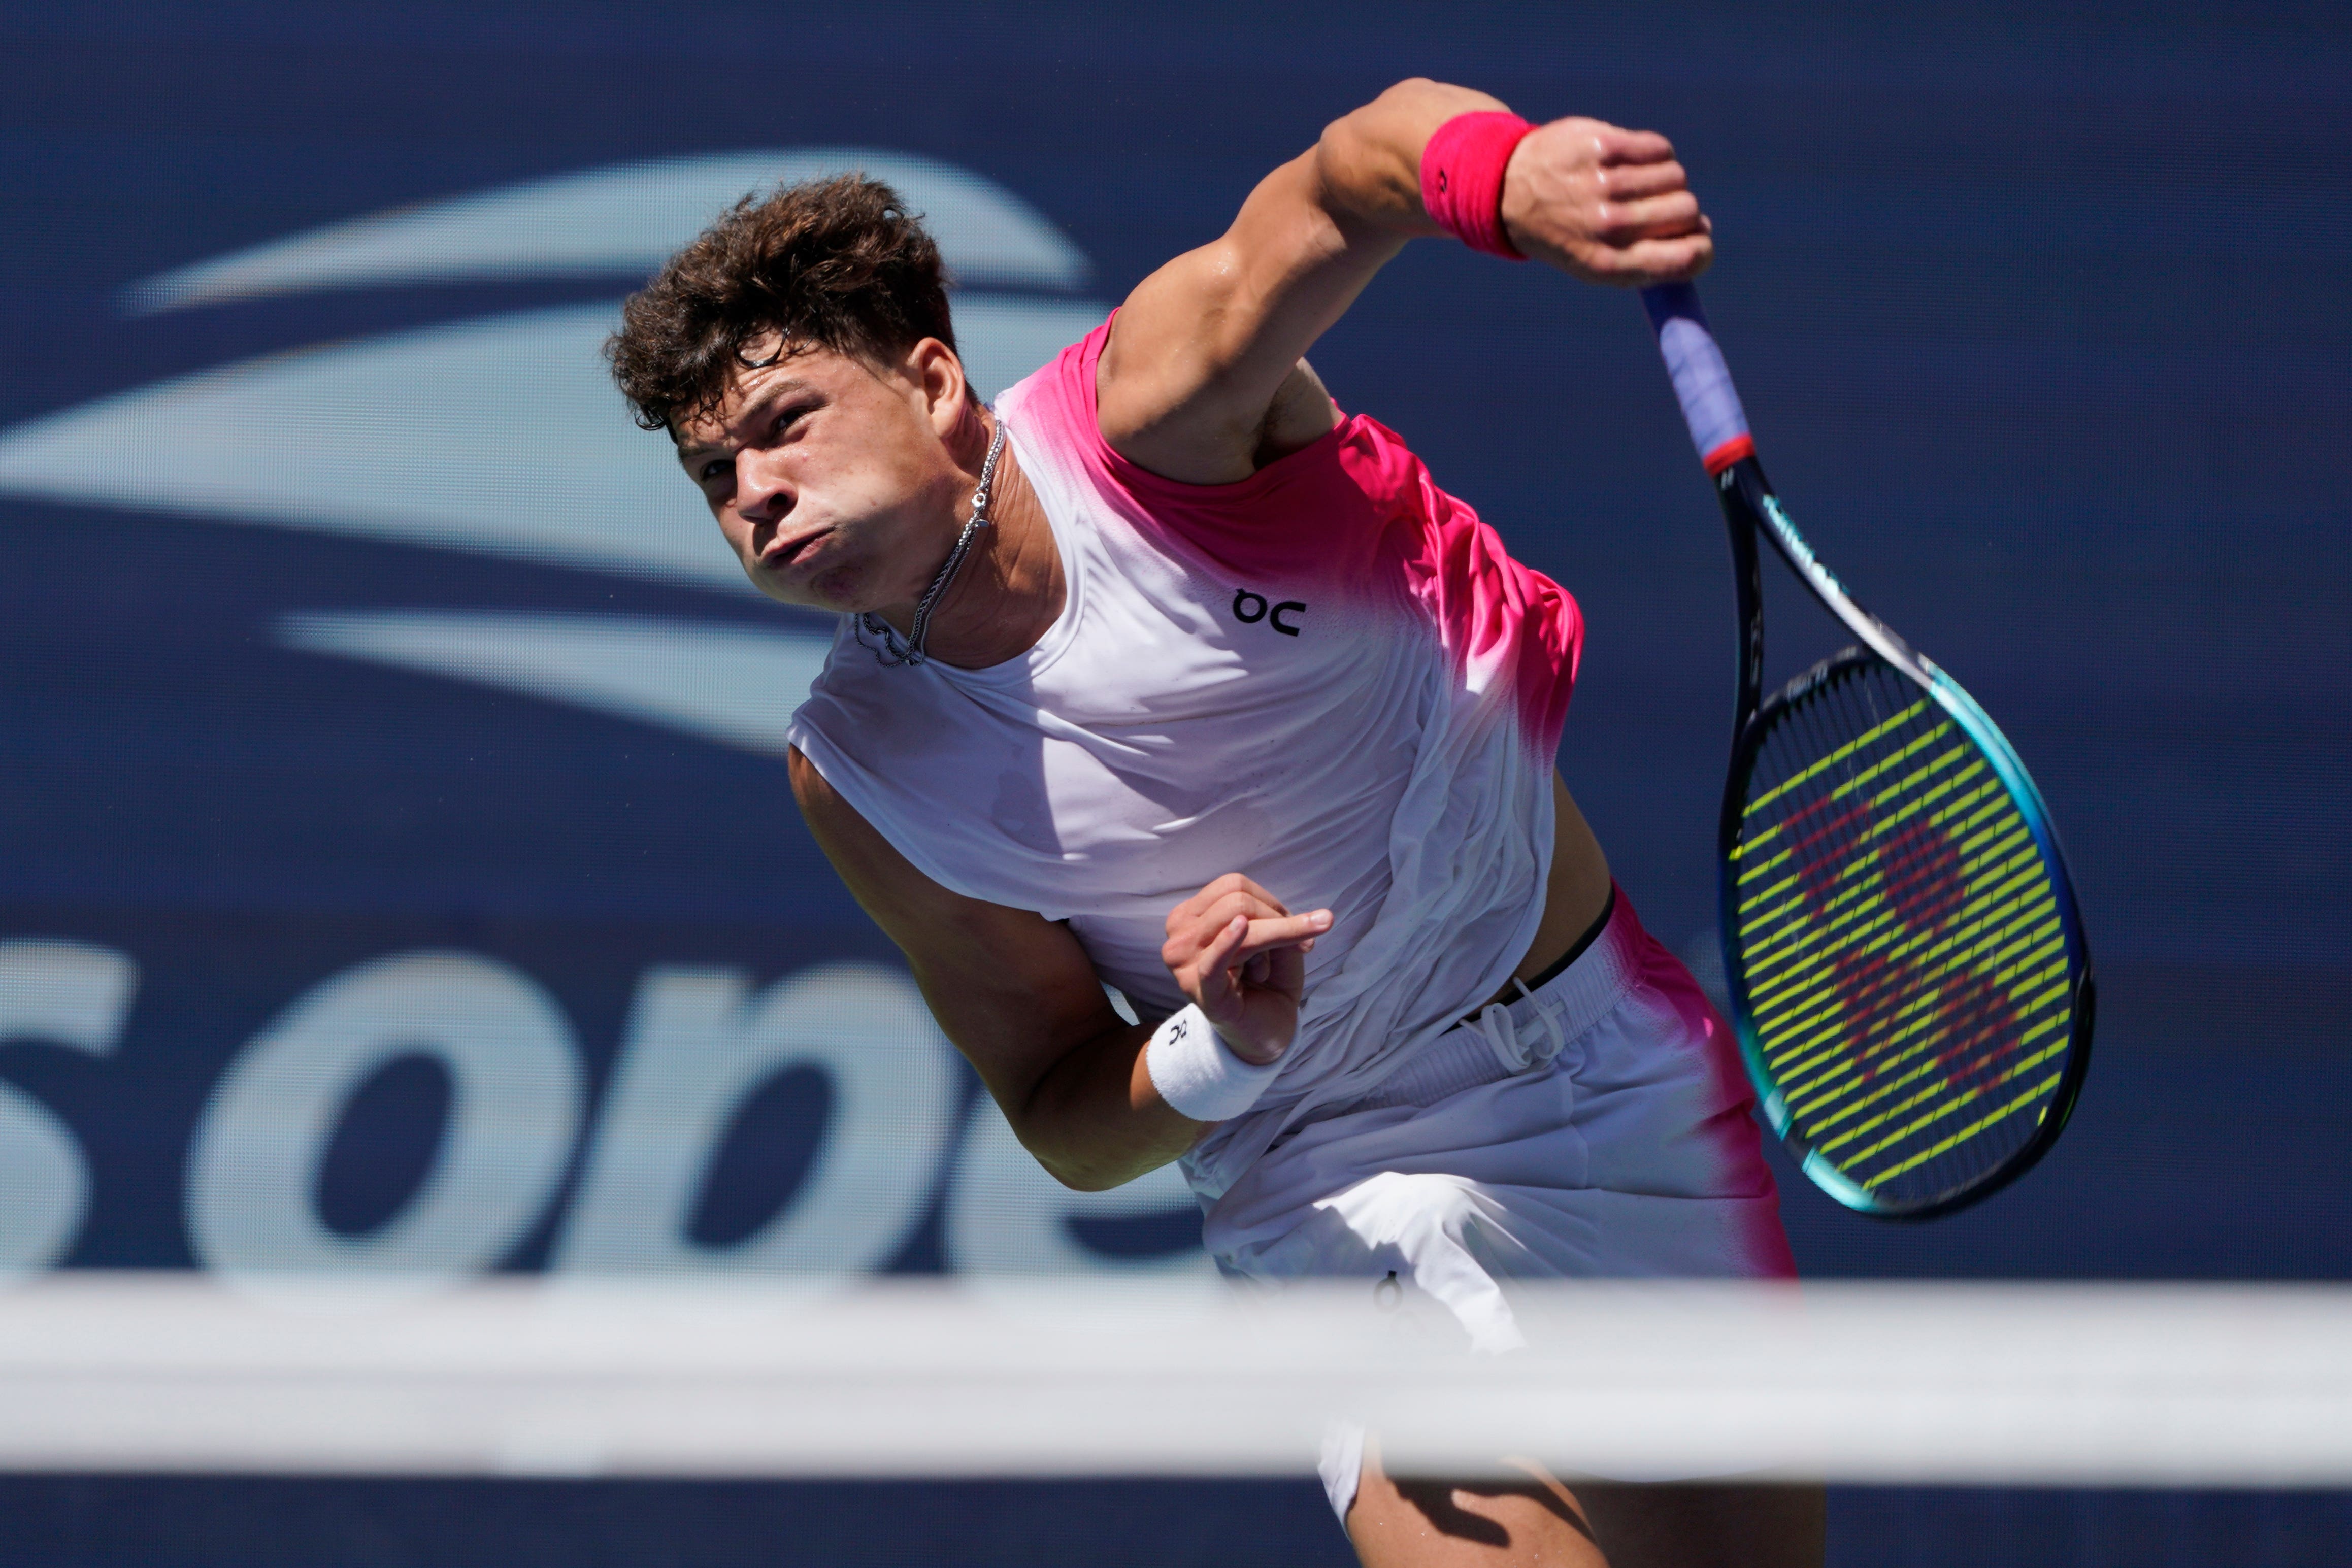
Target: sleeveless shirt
{"x":1329,"y":676}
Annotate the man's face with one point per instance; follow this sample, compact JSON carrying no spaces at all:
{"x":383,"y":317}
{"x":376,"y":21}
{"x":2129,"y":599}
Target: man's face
{"x":831,"y":477}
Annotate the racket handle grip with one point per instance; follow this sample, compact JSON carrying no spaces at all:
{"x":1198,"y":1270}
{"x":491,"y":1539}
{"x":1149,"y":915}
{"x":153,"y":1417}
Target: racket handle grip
{"x":1718,"y":426}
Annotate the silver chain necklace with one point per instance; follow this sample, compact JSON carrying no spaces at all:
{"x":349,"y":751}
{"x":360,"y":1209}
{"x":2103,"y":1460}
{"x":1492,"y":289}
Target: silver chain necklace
{"x":891,"y":650}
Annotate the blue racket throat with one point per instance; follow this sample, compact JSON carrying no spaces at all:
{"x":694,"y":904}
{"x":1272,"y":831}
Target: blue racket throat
{"x":1908,"y":973}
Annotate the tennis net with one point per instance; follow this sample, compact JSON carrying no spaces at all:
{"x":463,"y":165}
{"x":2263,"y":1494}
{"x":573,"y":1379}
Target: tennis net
{"x":1970,"y":1384}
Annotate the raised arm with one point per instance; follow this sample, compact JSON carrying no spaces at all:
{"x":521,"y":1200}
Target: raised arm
{"x":1203,"y":378}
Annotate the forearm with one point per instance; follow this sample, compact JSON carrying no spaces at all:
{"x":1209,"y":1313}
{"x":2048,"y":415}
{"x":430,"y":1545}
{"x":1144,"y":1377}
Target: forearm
{"x":1095,"y":1120}
{"x":1206,"y":344}
{"x":1367,"y":166}
{"x":1107,"y":1111}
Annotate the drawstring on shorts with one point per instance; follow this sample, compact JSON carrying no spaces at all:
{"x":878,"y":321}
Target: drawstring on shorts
{"x":1503,"y":1039}
{"x":1500,"y":1030}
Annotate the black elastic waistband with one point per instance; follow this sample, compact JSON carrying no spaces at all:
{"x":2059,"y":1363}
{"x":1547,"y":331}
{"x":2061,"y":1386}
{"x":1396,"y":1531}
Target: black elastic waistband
{"x":1558,"y":966}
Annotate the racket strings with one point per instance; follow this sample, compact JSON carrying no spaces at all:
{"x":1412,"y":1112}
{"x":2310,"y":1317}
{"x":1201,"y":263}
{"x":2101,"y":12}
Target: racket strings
{"x":1918,"y":884}
{"x":1919,"y":888}
{"x":1856,"y":910}
{"x":1916,"y":1036}
{"x":1830,"y":1001}
{"x":1897,"y":934}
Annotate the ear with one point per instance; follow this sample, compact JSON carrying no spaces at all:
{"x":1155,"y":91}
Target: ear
{"x":938,"y":376}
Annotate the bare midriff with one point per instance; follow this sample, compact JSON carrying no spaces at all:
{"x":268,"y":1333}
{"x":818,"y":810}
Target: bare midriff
{"x":1575,"y":894}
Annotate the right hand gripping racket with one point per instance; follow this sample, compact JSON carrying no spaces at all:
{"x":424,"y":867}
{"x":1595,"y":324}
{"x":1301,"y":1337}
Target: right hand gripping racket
{"x":1906,"y":968}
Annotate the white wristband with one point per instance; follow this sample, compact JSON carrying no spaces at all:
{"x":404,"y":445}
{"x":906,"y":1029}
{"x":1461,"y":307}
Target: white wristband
{"x":1198,"y":1073}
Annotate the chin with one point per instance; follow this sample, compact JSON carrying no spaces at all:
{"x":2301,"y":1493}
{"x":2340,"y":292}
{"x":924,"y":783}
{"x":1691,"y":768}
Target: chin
{"x":840,"y":589}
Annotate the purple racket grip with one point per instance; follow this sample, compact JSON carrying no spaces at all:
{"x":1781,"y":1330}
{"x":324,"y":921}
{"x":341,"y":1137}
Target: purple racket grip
{"x":1718,"y":426}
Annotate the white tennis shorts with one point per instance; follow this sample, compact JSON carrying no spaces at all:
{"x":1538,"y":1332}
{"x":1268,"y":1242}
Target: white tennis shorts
{"x":1598,"y":1128}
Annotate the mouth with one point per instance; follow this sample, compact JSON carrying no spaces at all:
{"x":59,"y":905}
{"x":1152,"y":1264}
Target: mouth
{"x":781,"y":555}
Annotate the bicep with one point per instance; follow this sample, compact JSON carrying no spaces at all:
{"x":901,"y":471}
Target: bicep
{"x":1204,"y":346}
{"x":1013,"y":991}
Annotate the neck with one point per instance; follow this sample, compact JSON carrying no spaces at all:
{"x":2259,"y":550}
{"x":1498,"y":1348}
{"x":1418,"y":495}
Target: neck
{"x":1009,"y":587}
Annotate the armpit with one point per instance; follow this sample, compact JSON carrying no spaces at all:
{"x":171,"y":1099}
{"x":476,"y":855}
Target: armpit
{"x":1302,"y":411}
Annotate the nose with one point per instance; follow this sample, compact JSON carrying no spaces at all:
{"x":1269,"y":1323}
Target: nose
{"x":763,"y":494}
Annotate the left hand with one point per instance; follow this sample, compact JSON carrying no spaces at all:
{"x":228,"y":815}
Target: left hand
{"x":1238,"y":953}
{"x":1605,"y":204}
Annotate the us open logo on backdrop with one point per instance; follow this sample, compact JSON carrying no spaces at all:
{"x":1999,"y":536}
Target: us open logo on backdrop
{"x":416,"y":438}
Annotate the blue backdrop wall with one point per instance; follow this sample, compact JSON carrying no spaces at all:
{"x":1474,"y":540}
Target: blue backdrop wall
{"x":399,"y":872}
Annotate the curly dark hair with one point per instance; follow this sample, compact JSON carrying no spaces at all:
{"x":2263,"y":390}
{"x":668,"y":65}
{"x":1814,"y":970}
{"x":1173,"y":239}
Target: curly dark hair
{"x":837,"y":264}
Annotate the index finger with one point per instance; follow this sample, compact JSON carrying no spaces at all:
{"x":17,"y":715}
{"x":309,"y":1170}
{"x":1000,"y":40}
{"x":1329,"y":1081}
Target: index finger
{"x":1265,"y":935}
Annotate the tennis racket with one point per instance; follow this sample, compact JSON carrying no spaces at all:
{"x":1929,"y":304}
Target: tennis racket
{"x":1906,"y":968}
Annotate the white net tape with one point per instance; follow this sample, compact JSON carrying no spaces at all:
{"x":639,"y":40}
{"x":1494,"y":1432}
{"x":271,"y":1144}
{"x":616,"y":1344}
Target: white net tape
{"x":1964,"y":1384}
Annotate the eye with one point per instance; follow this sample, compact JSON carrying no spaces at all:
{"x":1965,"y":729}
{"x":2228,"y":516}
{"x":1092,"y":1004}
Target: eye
{"x":785,"y":420}
{"x":715,"y":469}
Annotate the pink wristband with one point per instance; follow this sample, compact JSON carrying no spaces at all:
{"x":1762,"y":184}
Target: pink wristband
{"x":1462,"y":178}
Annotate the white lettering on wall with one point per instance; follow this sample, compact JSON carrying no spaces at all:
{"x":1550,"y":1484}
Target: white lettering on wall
{"x":515,"y":1109}
{"x":58,"y":993}
{"x":699,"y":1043}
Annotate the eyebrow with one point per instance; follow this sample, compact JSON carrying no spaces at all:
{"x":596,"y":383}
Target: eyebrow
{"x":765,"y":397}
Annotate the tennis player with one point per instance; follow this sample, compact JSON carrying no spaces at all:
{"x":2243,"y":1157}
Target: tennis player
{"x":1166,"y":676}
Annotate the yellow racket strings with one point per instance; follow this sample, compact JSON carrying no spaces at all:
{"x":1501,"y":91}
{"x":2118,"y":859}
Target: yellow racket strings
{"x":1898,"y":936}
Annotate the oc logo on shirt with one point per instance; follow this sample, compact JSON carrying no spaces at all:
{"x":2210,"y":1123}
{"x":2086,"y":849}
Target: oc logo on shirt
{"x":1249,"y":609}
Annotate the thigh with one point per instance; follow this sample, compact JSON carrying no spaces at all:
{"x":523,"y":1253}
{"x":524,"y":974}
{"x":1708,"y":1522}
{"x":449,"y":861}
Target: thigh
{"x":1701,"y":1524}
{"x":1422,"y":1522}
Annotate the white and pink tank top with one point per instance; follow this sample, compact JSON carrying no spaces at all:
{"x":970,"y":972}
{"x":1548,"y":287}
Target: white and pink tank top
{"x":1329,"y":676}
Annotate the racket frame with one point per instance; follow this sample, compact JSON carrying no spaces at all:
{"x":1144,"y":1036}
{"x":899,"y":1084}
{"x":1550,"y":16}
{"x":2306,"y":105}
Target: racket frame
{"x":1750,"y":508}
